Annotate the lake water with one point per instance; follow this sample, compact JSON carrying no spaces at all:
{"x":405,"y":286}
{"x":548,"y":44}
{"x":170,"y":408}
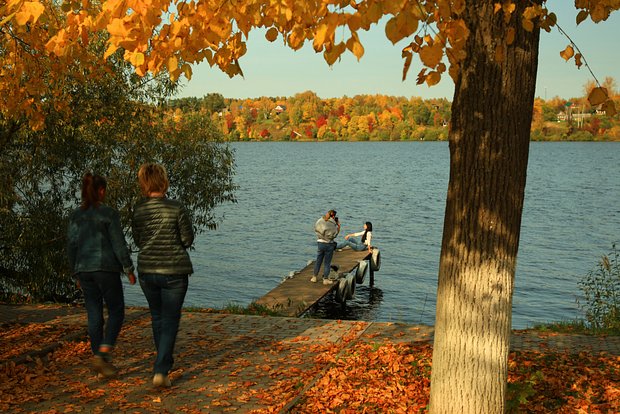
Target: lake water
{"x":571,"y":218}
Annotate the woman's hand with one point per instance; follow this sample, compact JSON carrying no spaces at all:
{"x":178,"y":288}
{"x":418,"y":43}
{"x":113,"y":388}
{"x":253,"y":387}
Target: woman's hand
{"x":132,"y":278}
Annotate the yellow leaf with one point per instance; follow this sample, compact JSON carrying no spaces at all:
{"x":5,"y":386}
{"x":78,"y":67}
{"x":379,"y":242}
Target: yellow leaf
{"x":528,"y":25}
{"x":408,"y":56}
{"x":391,"y":31}
{"x":567,"y":53}
{"x":30,"y":11}
{"x":421,"y":77}
{"x":433,"y":78}
{"x":334,"y":53}
{"x":272,"y":34}
{"x":173,"y":64}
{"x":497,"y":7}
{"x":581,"y":16}
{"x":321,"y":36}
{"x":117,"y":28}
{"x":598,"y":96}
{"x":187,"y":71}
{"x":354,"y":45}
{"x":578,"y":61}
{"x":431,"y":55}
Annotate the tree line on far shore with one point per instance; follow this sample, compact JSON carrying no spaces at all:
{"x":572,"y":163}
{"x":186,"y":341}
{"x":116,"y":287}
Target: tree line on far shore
{"x":307,"y":117}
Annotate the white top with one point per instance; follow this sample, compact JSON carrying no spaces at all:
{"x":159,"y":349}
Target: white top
{"x":361,"y":233}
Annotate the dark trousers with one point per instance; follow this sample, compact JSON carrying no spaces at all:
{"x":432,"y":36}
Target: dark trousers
{"x":165,"y":295}
{"x":100,"y":287}
{"x":324,"y":255}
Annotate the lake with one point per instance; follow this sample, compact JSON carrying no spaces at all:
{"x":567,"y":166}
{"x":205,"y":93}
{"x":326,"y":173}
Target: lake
{"x":571,"y":218}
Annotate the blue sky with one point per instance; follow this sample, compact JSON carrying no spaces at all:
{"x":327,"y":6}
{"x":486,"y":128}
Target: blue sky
{"x":271,"y":69}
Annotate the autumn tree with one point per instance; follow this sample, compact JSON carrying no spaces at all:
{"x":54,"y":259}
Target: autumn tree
{"x":489,"y":49}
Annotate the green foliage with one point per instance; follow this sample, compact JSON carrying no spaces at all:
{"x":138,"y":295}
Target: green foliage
{"x":113,"y":129}
{"x":601,"y":294}
{"x":518,"y":393}
{"x":251,"y":309}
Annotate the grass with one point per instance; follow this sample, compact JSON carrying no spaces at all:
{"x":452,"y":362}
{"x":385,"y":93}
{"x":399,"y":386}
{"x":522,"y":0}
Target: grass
{"x":235,"y":309}
{"x":576,"y":327}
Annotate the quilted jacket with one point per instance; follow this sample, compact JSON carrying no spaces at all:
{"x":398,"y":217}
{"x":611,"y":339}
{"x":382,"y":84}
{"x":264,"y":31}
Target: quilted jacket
{"x":163,"y":232}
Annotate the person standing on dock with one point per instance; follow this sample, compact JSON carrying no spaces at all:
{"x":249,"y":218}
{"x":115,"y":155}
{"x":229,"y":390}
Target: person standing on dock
{"x":326,"y":229}
{"x":162,"y":230}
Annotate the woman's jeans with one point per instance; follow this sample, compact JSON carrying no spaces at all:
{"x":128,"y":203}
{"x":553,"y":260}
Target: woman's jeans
{"x":353,"y":244}
{"x":100,"y":287}
{"x":324,"y":255}
{"x":165,"y":295}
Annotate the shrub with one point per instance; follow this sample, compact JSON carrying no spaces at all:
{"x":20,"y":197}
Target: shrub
{"x":112,"y":129}
{"x":601,"y":294}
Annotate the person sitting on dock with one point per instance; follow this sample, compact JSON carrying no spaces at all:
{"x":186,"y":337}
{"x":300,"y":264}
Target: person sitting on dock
{"x":326,"y":229}
{"x":353,"y":243}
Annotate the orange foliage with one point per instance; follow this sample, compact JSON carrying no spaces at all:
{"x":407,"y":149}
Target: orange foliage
{"x":41,"y":41}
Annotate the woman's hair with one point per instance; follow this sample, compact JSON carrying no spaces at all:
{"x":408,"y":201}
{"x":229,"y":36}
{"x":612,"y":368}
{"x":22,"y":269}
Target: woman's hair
{"x":153,"y":178}
{"x":330,"y":214}
{"x":91,"y":186}
{"x":368,"y":228}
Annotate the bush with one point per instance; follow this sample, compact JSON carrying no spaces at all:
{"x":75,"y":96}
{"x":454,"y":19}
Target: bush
{"x":601,"y":294}
{"x":112,"y":130}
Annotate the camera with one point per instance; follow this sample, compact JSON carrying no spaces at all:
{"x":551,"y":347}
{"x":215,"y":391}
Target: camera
{"x":336,"y":219}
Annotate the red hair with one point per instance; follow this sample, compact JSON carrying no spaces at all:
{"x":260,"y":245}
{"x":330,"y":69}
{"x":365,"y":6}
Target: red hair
{"x":91,"y":186}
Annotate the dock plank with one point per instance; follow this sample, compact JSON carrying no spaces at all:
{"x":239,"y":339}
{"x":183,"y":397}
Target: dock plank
{"x":296,"y":295}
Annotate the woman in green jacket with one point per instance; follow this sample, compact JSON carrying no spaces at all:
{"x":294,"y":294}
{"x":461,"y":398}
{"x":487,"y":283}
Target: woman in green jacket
{"x":163,"y":232}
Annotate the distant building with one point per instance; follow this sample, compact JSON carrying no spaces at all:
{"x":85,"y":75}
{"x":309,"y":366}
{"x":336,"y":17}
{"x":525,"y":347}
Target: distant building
{"x":279,"y":109}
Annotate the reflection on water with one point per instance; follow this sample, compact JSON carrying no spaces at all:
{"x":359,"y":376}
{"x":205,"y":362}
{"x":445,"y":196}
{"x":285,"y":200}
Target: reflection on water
{"x":362,"y":307}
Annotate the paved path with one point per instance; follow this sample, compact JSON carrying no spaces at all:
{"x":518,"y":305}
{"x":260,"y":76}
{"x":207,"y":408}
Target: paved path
{"x":225,"y":363}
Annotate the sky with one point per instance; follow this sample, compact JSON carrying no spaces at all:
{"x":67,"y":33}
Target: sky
{"x":273,"y":70}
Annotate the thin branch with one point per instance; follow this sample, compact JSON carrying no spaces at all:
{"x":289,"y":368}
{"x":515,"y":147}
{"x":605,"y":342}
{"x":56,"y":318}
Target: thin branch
{"x":585,"y":62}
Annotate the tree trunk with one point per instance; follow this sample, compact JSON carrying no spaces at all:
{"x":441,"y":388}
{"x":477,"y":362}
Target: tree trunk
{"x":489,"y":144}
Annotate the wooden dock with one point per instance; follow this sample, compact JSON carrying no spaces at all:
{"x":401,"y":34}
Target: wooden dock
{"x":297,"y":294}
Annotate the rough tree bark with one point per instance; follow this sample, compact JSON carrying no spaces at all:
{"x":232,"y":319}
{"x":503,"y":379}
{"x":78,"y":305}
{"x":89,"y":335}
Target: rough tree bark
{"x":489,"y":144}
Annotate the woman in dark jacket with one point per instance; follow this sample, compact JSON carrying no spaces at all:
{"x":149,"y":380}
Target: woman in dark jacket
{"x":163,"y":231}
{"x":98,"y":254}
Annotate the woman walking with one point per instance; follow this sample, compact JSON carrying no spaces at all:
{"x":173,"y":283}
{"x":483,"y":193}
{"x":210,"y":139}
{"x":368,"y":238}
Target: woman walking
{"x":97,"y":254}
{"x":163,"y":232}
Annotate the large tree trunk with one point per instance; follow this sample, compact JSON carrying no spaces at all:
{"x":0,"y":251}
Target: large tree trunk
{"x":489,"y":144}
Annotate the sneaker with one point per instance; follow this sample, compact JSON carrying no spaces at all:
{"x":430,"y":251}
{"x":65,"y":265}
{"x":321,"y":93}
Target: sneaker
{"x":313,"y":280}
{"x":327,"y":281}
{"x":161,"y":380}
{"x":104,"y":368}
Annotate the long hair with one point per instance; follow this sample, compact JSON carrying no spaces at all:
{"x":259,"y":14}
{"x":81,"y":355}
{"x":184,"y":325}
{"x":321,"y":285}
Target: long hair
{"x":91,"y":186}
{"x":368,"y":228}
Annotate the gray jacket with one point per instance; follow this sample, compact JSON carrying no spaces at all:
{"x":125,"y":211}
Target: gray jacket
{"x":163,"y":232}
{"x":95,"y":241}
{"x":326,"y":230}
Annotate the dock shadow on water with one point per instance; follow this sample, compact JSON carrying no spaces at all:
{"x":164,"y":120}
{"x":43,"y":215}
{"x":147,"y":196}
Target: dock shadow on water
{"x":363,"y":307}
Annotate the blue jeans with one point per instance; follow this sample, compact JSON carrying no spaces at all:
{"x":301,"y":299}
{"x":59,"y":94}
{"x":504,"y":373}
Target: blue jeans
{"x":324,"y":255}
{"x":165,"y":295}
{"x":100,"y":287}
{"x":353,"y":244}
